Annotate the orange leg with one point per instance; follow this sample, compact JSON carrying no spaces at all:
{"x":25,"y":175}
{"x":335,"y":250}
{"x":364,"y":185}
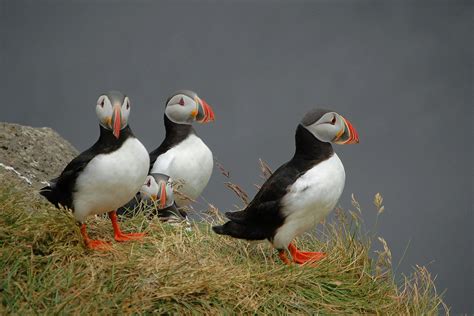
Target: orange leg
{"x":118,"y":235}
{"x":302,"y":257}
{"x":94,"y":244}
{"x":283,"y":257}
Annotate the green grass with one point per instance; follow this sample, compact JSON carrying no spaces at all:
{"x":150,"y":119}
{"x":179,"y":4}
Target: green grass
{"x":46,"y":269}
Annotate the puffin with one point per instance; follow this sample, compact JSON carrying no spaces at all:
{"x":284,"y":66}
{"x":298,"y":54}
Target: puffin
{"x":105,"y":176}
{"x":182,"y":155}
{"x":155,"y":194}
{"x":301,"y":192}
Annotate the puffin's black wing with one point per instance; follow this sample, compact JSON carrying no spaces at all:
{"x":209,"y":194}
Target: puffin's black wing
{"x":61,"y":188}
{"x":271,"y":192}
{"x":263,"y":215}
{"x":172,"y":212}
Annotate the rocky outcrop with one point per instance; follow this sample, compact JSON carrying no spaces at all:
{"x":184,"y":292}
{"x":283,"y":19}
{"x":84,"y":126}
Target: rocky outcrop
{"x":33,"y":155}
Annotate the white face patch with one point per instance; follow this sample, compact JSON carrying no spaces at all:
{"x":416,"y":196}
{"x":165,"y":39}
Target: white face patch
{"x":105,"y":111}
{"x":328,"y":127}
{"x":125,"y":111}
{"x":180,"y":109}
{"x":149,"y":188}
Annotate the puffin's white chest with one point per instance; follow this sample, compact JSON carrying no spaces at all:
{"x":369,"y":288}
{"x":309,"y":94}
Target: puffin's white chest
{"x":310,"y":199}
{"x":189,"y":163}
{"x":111,"y":180}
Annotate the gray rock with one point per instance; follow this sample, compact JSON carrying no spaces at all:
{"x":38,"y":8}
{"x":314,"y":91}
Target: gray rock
{"x":33,"y":154}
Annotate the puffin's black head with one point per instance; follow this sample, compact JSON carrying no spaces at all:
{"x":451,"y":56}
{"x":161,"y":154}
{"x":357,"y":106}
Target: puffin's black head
{"x":158,"y":188}
{"x":330,"y":127}
{"x":184,"y":107}
{"x":113,"y":109}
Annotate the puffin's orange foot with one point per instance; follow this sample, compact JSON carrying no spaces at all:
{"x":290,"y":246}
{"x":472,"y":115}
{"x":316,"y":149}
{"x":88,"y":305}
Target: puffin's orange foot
{"x":92,"y":243}
{"x":302,"y":257}
{"x":131,"y":236}
{"x":98,"y":245}
{"x":283,"y":257}
{"x":118,"y":235}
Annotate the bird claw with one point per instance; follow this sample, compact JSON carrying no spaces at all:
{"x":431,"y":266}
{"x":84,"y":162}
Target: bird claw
{"x":131,"y":236}
{"x":304,"y":257}
{"x":307,"y":257}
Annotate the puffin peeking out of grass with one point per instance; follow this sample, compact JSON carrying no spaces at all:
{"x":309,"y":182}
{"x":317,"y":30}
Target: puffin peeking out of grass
{"x":301,"y":192}
{"x":182,"y":155}
{"x":156,"y":194}
{"x":107,"y":175}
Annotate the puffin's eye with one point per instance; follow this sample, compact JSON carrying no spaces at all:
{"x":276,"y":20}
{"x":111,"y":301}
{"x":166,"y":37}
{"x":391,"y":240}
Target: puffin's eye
{"x":101,"y":103}
{"x":333,"y":121}
{"x":128,"y":105}
{"x":148,"y":183}
{"x":181,"y":102}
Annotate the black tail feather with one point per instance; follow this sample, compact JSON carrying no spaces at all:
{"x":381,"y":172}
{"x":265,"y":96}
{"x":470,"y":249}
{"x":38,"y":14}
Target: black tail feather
{"x":50,"y":194}
{"x":238,"y":217}
{"x":220,"y":230}
{"x":240,"y":231}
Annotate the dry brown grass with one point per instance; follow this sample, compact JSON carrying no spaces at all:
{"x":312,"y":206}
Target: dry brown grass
{"x":46,"y":269}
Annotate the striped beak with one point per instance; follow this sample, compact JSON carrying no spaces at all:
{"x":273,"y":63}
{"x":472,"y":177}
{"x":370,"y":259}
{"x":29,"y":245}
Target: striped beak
{"x":116,"y":120}
{"x":163,"y":197}
{"x":347,"y":135}
{"x":204,"y":113}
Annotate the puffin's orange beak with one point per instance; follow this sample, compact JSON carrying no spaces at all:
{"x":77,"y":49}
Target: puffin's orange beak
{"x":347,"y":136}
{"x":354,"y":136}
{"x":116,"y":121}
{"x":162,"y":194}
{"x":205,"y":113}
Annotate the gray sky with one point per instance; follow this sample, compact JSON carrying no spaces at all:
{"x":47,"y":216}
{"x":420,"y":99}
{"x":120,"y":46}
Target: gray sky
{"x":401,"y":72}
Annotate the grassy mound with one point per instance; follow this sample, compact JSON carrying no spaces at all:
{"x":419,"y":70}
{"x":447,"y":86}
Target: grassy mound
{"x":46,"y":269}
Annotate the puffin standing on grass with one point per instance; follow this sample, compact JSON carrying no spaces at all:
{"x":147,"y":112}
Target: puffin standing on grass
{"x":182,"y":155}
{"x":107,"y":175}
{"x":301,"y":192}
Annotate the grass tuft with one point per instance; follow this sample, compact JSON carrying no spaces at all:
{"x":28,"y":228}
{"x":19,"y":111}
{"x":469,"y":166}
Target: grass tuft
{"x":46,"y":269}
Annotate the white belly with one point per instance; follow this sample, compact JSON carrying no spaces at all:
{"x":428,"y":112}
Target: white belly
{"x":111,"y":180}
{"x":190,"y":164}
{"x":311,"y":198}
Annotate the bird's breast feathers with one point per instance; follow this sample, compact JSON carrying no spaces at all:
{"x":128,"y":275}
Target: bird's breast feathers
{"x":316,"y":192}
{"x":313,"y":195}
{"x":111,"y":180}
{"x":189,"y":163}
